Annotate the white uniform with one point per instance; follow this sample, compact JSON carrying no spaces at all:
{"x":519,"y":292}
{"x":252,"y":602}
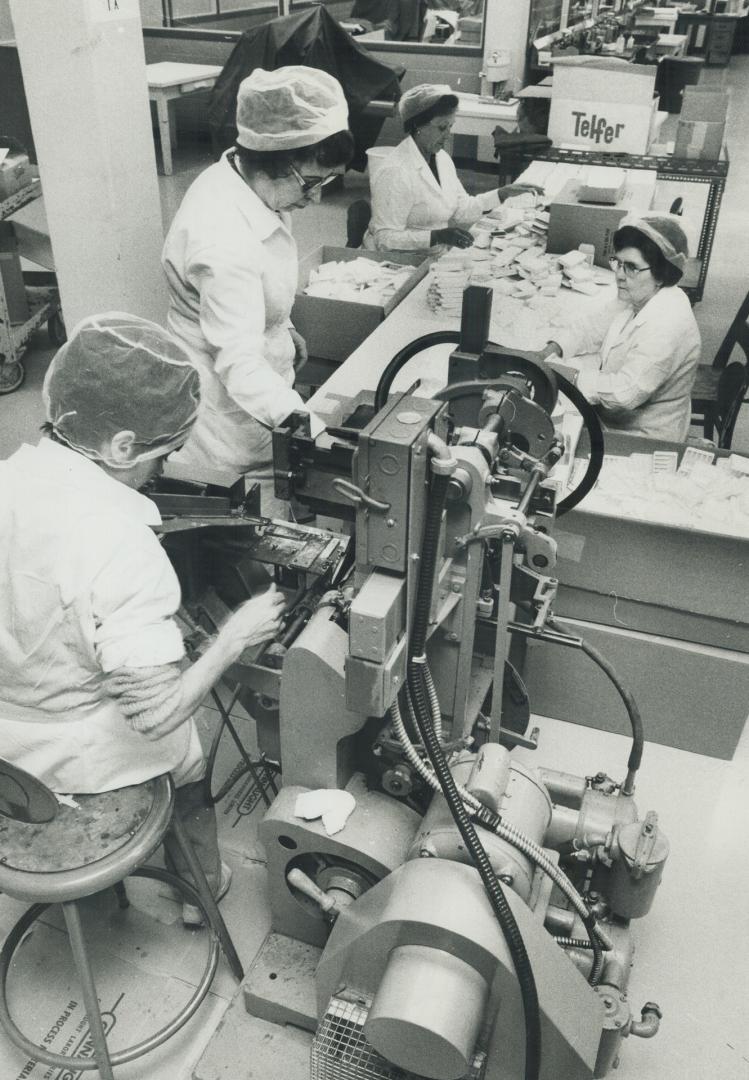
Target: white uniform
{"x":231,"y":264}
{"x":86,"y":589}
{"x":648,"y":362}
{"x":408,"y":203}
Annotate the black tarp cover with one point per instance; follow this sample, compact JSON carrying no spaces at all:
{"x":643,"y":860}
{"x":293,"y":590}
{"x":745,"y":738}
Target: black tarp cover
{"x":315,"y":39}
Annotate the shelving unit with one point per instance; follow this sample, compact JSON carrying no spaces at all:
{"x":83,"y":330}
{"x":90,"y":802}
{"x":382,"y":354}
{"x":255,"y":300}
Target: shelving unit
{"x":44,"y":305}
{"x":713,"y":173}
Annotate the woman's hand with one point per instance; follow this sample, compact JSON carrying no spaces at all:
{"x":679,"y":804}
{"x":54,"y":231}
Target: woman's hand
{"x":452,"y":237}
{"x":256,"y":621}
{"x":300,"y":348}
{"x":509,"y":190}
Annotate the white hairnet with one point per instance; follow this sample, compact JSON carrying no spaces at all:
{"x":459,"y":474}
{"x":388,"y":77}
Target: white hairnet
{"x":420,"y":98}
{"x":121,"y":373}
{"x":288,"y":108}
{"x":666,"y":233}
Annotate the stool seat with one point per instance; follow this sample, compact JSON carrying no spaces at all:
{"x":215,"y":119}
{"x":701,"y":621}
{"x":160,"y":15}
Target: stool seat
{"x":60,"y":854}
{"x":87,"y":847}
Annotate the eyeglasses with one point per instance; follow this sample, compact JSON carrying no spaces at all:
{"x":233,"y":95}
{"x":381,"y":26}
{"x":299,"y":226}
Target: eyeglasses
{"x":312,"y":184}
{"x":629,"y":268}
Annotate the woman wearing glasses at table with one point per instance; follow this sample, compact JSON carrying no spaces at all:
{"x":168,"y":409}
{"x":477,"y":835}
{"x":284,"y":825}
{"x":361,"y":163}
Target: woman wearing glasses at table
{"x":647,"y":344}
{"x":231,"y":265}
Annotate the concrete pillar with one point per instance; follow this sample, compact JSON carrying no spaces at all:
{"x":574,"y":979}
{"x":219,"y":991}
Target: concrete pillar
{"x":84,"y":71}
{"x":506,"y":29}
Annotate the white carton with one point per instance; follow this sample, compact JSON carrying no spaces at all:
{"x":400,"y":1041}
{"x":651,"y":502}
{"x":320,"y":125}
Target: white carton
{"x":604,"y":105}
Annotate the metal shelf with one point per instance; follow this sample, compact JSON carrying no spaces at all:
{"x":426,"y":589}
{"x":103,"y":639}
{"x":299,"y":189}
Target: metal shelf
{"x":20,"y":198}
{"x":713,"y":173}
{"x":43,"y":300}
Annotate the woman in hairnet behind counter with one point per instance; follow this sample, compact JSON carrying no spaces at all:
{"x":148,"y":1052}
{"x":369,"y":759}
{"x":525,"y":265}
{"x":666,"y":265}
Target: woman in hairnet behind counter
{"x":647,"y":343}
{"x":231,"y":265}
{"x":417,"y":199}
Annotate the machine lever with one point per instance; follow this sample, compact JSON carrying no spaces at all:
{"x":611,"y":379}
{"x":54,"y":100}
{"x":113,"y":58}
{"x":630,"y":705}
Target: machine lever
{"x":299,"y":880}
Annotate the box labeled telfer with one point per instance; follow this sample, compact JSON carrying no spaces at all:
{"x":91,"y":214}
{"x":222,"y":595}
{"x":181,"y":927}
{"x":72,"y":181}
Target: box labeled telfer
{"x":572,"y":222}
{"x":602,"y":104}
{"x":333,"y":328}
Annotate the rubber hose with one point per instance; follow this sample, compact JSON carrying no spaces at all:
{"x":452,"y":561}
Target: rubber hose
{"x":595,"y":434}
{"x":401,"y":358}
{"x":633,"y":712}
{"x":422,"y":711}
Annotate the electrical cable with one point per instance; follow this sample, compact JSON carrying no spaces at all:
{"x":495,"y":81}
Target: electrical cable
{"x":590,"y":416}
{"x":422,"y":712}
{"x":633,"y":712}
{"x":401,"y":358}
{"x":595,"y":435}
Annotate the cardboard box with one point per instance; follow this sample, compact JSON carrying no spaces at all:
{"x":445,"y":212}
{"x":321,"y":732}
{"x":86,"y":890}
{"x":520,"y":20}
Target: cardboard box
{"x":691,"y":697}
{"x":603,"y":185}
{"x":705,"y":103}
{"x":714,"y":77}
{"x":699,"y":140}
{"x":334,"y":328}
{"x":15,"y":174}
{"x":602,"y":104}
{"x":572,"y":222}
{"x":665,"y":604}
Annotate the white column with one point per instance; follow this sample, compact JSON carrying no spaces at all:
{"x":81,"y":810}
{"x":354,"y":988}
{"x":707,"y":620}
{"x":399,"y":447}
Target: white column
{"x":506,"y":29}
{"x":84,"y":71}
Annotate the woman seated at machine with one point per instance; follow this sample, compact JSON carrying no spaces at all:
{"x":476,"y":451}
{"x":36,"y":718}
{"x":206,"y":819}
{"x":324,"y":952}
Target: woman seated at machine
{"x":417,"y":198}
{"x":647,"y":342}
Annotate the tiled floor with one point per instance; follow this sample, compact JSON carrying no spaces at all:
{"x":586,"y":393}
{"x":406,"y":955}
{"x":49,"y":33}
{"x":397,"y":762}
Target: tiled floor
{"x":693,"y":949}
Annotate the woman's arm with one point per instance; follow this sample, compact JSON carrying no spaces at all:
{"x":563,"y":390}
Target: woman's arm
{"x":392,"y":202}
{"x":651,"y":360}
{"x":229,"y":283}
{"x":137,"y":643}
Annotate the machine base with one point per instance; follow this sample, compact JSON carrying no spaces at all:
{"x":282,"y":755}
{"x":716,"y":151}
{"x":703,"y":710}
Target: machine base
{"x":280,"y":985}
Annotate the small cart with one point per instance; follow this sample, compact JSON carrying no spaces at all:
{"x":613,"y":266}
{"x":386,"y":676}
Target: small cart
{"x":44,"y":306}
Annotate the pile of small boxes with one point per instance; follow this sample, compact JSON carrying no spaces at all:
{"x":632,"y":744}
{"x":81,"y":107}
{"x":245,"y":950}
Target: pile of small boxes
{"x":510,"y":255}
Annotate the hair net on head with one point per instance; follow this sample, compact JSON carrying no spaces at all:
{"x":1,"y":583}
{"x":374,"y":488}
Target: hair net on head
{"x":288,"y":108}
{"x":420,"y":98}
{"x":121,"y":373}
{"x":666,"y":233}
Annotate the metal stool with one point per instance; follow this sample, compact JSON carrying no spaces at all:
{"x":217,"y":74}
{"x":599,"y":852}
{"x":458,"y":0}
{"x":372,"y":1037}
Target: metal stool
{"x":60,"y":854}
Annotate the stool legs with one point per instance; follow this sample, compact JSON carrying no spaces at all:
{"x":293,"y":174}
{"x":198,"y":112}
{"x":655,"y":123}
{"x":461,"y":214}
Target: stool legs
{"x":90,"y":998}
{"x":201,"y":884}
{"x":119,"y":891}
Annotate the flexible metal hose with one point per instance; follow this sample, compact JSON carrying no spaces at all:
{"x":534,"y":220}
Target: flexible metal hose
{"x":423,"y":716}
{"x":507,"y":832}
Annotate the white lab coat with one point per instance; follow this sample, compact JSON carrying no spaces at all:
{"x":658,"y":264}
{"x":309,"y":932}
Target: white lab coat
{"x":231,"y":265}
{"x":648,"y":362}
{"x":408,"y":203}
{"x":86,"y":589}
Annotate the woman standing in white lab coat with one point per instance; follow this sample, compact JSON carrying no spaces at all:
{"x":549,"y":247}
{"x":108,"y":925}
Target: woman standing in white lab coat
{"x":231,"y":265}
{"x":417,"y":199}
{"x":647,"y":343}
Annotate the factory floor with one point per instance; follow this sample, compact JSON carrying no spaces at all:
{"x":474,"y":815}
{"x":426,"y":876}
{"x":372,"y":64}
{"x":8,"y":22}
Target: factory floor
{"x":692,"y":950}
